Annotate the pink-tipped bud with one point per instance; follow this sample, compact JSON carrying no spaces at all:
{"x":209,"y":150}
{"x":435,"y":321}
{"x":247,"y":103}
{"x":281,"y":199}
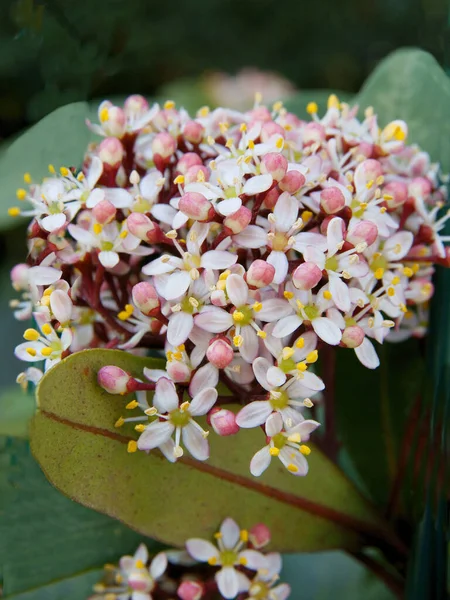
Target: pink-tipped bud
{"x":365,"y":149}
{"x":223,"y":421}
{"x":135,"y":105}
{"x":239,"y":220}
{"x":313,"y":133}
{"x":19,"y":276}
{"x":353,"y":336}
{"x":115,"y":125}
{"x":306,"y":276}
{"x":269,"y":129}
{"x":192,"y":174}
{"x":139,"y":580}
{"x":178,"y":371}
{"x":260,"y":113}
{"x":113,"y":380}
{"x":220,"y":353}
{"x":366,"y":175}
{"x":104,"y":212}
{"x":259,"y":536}
{"x":164,"y":145}
{"x":190,"y":590}
{"x":364,"y":231}
{"x":193,"y":132}
{"x":419,"y":187}
{"x":145,"y":297}
{"x":140,"y":225}
{"x":260,"y":273}
{"x":332,"y":200}
{"x":188,"y":160}
{"x":110,"y":151}
{"x":271,"y":198}
{"x":275,"y":164}
{"x":292,"y":182}
{"x":399,"y":192}
{"x":196,"y":206}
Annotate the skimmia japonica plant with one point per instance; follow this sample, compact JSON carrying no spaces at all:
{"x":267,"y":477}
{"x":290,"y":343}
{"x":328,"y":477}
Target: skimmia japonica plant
{"x":239,"y":246}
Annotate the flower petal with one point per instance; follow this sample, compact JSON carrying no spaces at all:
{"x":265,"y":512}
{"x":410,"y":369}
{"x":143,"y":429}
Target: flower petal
{"x":280,"y":263}
{"x":230,"y":533}
{"x":203,"y":402}
{"x":254,"y":414}
{"x":201,"y":550}
{"x":260,"y":367}
{"x":177,"y":284}
{"x":286,"y":326}
{"x":285,"y":212}
{"x":53,"y":222}
{"x":214,"y":320}
{"x":274,"y":424}
{"x":108,"y":258}
{"x":205,"y":377}
{"x":327,"y":330}
{"x":274,"y":309}
{"x":158,"y":565}
{"x":179,"y":328}
{"x":165,"y":398}
{"x":228,"y":582}
{"x":195,"y":442}
{"x":290,"y":457}
{"x":367,"y":355}
{"x":156,"y":434}
{"x":254,"y":560}
{"x":252,"y":237}
{"x":237,"y":290}
{"x":260,"y":461}
{"x":257,"y":184}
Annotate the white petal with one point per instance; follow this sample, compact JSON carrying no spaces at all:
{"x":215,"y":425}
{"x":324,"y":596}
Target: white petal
{"x":166,"y":397}
{"x":179,"y":220}
{"x":195,"y":442}
{"x":214,"y":320}
{"x":286,"y":326}
{"x":154,"y":374}
{"x":340,"y":293}
{"x":281,"y":592}
{"x":327,"y":330}
{"x":21,"y":351}
{"x":285,"y":212}
{"x":228,"y":582}
{"x":158,"y":267}
{"x":179,"y":328}
{"x":310,"y":239}
{"x":203,"y":402}
{"x":164,"y":213}
{"x":260,"y":367}
{"x":274,"y":309}
{"x":280,"y":263}
{"x":254,"y":559}
{"x":230,"y":532}
{"x":367,"y":355}
{"x":260,"y":461}
{"x":205,"y":377}
{"x":94,"y":172}
{"x":177,"y":284}
{"x":249,"y":348}
{"x":274,"y":424}
{"x":119,"y":197}
{"x":158,"y":565}
{"x":334,"y":235}
{"x":201,"y":550}
{"x":314,"y":255}
{"x":257,"y":184}
{"x":81,"y":235}
{"x":96,"y":196}
{"x":141,"y":553}
{"x":276,"y":377}
{"x":254,"y":414}
{"x":290,"y":457}
{"x":43,"y":275}
{"x":398,"y":246}
{"x":168,"y":450}
{"x":229,"y":206}
{"x":156,"y":434}
{"x":274,"y":564}
{"x":108,"y":259}
{"x":305,"y":428}
{"x":237,"y":290}
{"x":61,"y":305}
{"x":53,"y":222}
{"x":218,"y":259}
{"x":252,"y":237}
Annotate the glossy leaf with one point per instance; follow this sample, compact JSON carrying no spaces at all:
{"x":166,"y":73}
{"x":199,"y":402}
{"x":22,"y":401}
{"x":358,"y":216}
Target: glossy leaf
{"x":410,"y":85}
{"x":76,"y":587}
{"x":74,"y":439}
{"x":16,"y":410}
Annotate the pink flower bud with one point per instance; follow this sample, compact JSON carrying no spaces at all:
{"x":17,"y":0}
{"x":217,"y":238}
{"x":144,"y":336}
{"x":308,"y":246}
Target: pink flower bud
{"x":145,"y":297}
{"x":366,"y":149}
{"x":135,"y":105}
{"x":271,"y":197}
{"x":239,"y":220}
{"x":19,"y":276}
{"x":113,"y":380}
{"x":332,"y":200}
{"x":353,"y":336}
{"x":178,"y":371}
{"x":260,"y":113}
{"x":115,"y":125}
{"x":292,"y":182}
{"x":192,"y":173}
{"x":269,"y":129}
{"x":164,"y":145}
{"x":190,"y":590}
{"x":196,"y":206}
{"x":364,"y":231}
{"x":223,"y":421}
{"x":420,"y":164}
{"x":275,"y":164}
{"x":259,"y":536}
{"x":366,"y":173}
{"x":260,"y":273}
{"x":110,"y":151}
{"x":140,"y":225}
{"x":419,"y":187}
{"x":139,"y":580}
{"x":399,"y":192}
{"x":104,"y":212}
{"x":220,"y":353}
{"x":188,"y":160}
{"x":313,"y":133}
{"x":193,"y":132}
{"x":306,"y":276}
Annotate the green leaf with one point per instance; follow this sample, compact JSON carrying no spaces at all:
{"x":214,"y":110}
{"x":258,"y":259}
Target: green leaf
{"x":16,"y":409}
{"x":299,"y":101}
{"x":77,"y":587}
{"x":85,"y":457}
{"x":45,"y":537}
{"x":60,"y":138}
{"x":410,"y":85}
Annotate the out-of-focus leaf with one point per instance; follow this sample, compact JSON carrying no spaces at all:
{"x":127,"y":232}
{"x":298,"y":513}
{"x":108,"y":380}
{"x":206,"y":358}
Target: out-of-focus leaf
{"x":74,"y":439}
{"x":410,"y":85}
{"x":45,"y":537}
{"x":299,"y":101}
{"x":77,"y":587}
{"x":16,"y":409}
{"x":188,"y":93}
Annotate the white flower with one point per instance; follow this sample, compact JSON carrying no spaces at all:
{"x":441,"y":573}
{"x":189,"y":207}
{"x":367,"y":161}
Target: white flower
{"x":265,"y":586}
{"x":46,"y":346}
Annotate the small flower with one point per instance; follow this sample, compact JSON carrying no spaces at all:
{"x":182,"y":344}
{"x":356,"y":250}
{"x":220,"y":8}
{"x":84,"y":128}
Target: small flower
{"x":46,"y":345}
{"x":265,"y":586}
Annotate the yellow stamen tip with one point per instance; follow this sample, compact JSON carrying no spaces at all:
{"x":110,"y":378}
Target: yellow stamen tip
{"x":305,"y":450}
{"x":244,"y":535}
{"x":169,"y":104}
{"x":300,"y":342}
{"x":312,"y":108}
{"x":292,"y":468}
{"x":179,"y":179}
{"x":31,"y":335}
{"x":301,"y":366}
{"x":31,"y":351}
{"x":312,"y":356}
{"x":51,"y":169}
{"x":212,"y":561}
{"x":104,"y":115}
{"x":27,"y":178}
{"x":379,"y":273}
{"x":327,"y":295}
{"x":132,"y":446}
{"x":132,"y":404}
{"x":262,"y":334}
{"x":46,"y":329}
{"x":97,"y":228}
{"x":274,"y":451}
{"x":46,"y":351}
{"x":21,"y":194}
{"x":14,"y":211}
{"x":288,"y":295}
{"x":64,"y":171}
{"x":120,"y":421}
{"x":139,"y":428}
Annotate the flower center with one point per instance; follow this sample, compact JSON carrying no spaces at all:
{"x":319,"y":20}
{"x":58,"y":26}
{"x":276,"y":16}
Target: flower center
{"x":379,"y":263}
{"x":331,"y":264}
{"x":279,"y":241}
{"x":279,"y":440}
{"x":312,"y":312}
{"x":191,"y":261}
{"x":179,"y":418}
{"x":259,"y":591}
{"x":228,"y":558}
{"x":243,"y":315}
{"x":278,"y":399}
{"x":107,"y":246}
{"x":287,"y":365}
{"x":230,"y":192}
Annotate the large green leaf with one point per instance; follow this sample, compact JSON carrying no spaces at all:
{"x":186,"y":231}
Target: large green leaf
{"x":77,"y":587}
{"x":60,"y":139}
{"x":16,"y":410}
{"x":410,"y":85}
{"x":74,"y":439}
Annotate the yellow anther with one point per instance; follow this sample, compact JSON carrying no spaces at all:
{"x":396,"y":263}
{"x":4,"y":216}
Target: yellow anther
{"x":45,"y":300}
{"x":151,"y":412}
{"x":257,"y":306}
{"x":327,"y":295}
{"x":80,"y":176}
{"x":21,"y":194}
{"x":300,"y":342}
{"x":301,"y":366}
{"x":262,"y":334}
{"x":169,"y":104}
{"x":177,"y":356}
{"x":238,"y":316}
{"x":288,"y":295}
{"x":203,"y":111}
{"x":212,"y":560}
{"x":238,"y":340}
{"x":295,"y":438}
{"x":244,"y":535}
{"x":229,"y":143}
{"x":123,"y":315}
{"x":292,"y":468}
{"x":47,"y":329}
{"x":224,"y":275}
{"x":31,"y":351}
{"x":27,"y":178}
{"x":243,"y":127}
{"x":277,"y":106}
{"x":110,"y":596}
{"x":132,"y":404}
{"x":390,"y":292}
{"x":395,"y":280}
{"x":369,"y":184}
{"x":258,"y":97}
{"x":132,"y":446}
{"x":251,"y":144}
{"x":64,"y":171}
{"x":363,"y":205}
{"x":287,"y":352}
{"x":243,"y":561}
{"x":308,"y":403}
{"x":48,"y":292}
{"x":379,"y":273}
{"x":299,"y":304}
{"x":211,"y":141}
{"x":173,"y":234}
{"x":312,"y":356}
{"x":120,"y":421}
{"x":123,"y":234}
{"x":218,"y":535}
{"x":97,"y":228}
{"x":221,"y":285}
{"x":383,"y":209}
{"x":104,"y":115}
{"x":179,"y":179}
{"x":118,"y":578}
{"x":181,"y":348}
{"x":312,"y":108}
{"x":200,"y":176}
{"x":46,"y":351}
{"x":139,"y":564}
{"x":408,"y":272}
{"x":140,"y":428}
{"x":306,"y":450}
{"x":333,"y":101}
{"x":184,"y":406}
{"x":31,"y":335}
{"x":129,"y":308}
{"x":51,"y":169}
{"x":306,"y":216}
{"x":279,"y":143}
{"x":223,"y":127}
{"x":274,"y":451}
{"x":14,"y":211}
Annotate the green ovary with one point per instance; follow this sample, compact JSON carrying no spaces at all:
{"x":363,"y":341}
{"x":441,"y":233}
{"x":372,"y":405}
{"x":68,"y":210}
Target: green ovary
{"x":107,"y":246}
{"x":179,"y":418}
{"x":379,"y":263}
{"x":279,"y":440}
{"x":331,"y":264}
{"x":243,"y":315}
{"x":228,"y":558}
{"x":280,"y":401}
{"x":287,"y":365}
{"x":311,"y":312}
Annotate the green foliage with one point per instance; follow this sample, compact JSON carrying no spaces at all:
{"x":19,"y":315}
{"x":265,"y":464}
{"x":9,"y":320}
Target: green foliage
{"x":16,"y":410}
{"x":74,"y":439}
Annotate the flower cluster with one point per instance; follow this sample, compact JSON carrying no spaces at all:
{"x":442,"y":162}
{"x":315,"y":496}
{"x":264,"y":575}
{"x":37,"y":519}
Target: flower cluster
{"x":239,"y":244}
{"x":236,"y":566}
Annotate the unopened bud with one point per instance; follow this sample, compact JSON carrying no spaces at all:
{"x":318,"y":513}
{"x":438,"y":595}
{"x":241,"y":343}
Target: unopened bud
{"x":239,"y":220}
{"x":140,"y":225}
{"x":193,"y":132}
{"x":196,"y":206}
{"x":164,"y":145}
{"x":19,"y":276}
{"x":259,"y":536}
{"x":145,"y":297}
{"x":271,"y":198}
{"x":104,"y":212}
{"x":260,"y":113}
{"x":395,"y":194}
{"x":364,"y":231}
{"x":269,"y":129}
{"x":113,"y":121}
{"x":260,"y":273}
{"x":332,"y":200}
{"x":139,"y":580}
{"x":196,"y":173}
{"x":223,"y":421}
{"x":188,"y":160}
{"x":353,"y":336}
{"x":292,"y":182}
{"x":220,"y":353}
{"x":419,"y":187}
{"x":190,"y":590}
{"x":306,"y":276}
{"x":275,"y":164}
{"x":113,"y":379}
{"x":313,"y":133}
{"x":178,"y":371}
{"x":135,"y":105}
{"x":110,"y":151}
